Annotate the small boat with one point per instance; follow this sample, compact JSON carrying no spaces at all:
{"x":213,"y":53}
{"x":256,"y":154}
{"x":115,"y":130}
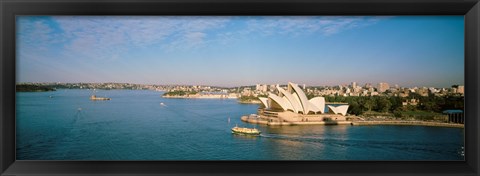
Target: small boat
{"x":93,"y":97}
{"x":249,"y":131}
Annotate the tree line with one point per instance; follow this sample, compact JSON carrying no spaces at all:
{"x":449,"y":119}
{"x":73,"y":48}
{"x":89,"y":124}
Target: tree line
{"x":179,"y":93}
{"x":392,"y":104}
{"x":32,"y":88}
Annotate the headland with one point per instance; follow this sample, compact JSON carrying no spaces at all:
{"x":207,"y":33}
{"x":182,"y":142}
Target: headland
{"x":292,"y":107}
{"x":32,"y":88}
{"x":201,"y":95}
{"x":255,"y":119}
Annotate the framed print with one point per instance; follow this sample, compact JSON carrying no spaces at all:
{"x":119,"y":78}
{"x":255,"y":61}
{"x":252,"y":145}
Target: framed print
{"x":248,"y":87}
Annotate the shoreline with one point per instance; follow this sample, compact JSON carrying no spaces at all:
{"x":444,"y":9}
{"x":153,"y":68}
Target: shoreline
{"x":199,"y":97}
{"x":407,"y":123}
{"x":249,"y":102}
{"x":355,"y":123}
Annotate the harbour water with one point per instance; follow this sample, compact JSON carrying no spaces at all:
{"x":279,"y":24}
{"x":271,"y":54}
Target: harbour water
{"x":141,"y":125}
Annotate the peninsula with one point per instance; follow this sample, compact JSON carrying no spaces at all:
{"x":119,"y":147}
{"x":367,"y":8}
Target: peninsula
{"x":291,"y":106}
{"x":32,"y":88}
{"x":249,"y":100}
{"x":194,"y":94}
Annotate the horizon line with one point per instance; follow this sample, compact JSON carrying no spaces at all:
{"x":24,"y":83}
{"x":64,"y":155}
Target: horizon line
{"x":306,"y":85}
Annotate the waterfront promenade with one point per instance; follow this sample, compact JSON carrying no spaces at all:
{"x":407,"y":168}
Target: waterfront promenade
{"x":353,"y":123}
{"x":416,"y":123}
{"x":276,"y":123}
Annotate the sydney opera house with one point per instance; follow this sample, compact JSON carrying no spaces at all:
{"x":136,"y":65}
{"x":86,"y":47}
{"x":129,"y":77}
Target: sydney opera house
{"x":291,"y":106}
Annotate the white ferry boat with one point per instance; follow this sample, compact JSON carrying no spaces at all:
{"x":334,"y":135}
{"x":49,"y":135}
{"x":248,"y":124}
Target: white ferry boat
{"x":249,"y":131}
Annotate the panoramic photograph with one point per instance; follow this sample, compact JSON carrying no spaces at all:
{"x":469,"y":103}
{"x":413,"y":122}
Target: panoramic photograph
{"x":163,"y":88}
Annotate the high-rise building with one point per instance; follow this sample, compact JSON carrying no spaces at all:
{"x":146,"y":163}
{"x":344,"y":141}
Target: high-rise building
{"x":382,"y":87}
{"x":368,"y":85}
{"x":354,"y":85}
{"x":264,"y":88}
{"x":461,"y":89}
{"x":261,"y":88}
{"x":272,"y":87}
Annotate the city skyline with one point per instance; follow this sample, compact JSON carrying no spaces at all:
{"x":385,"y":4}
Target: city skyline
{"x":239,"y":51}
{"x":344,"y":85}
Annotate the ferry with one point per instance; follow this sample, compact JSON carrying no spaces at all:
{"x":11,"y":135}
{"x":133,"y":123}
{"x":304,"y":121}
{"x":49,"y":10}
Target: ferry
{"x":249,"y":131}
{"x":93,"y":97}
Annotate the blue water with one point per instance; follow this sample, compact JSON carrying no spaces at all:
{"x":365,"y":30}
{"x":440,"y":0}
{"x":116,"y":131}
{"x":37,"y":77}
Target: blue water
{"x":135,"y":126}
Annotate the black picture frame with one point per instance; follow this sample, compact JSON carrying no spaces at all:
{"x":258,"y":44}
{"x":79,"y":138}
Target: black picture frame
{"x":11,"y":8}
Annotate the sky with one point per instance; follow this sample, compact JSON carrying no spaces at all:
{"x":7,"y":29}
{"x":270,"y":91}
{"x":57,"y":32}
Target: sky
{"x":242,"y":50}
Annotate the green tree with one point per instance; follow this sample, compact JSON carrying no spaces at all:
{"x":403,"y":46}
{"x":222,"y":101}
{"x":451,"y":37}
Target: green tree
{"x":383,"y":104}
{"x":355,"y":108}
{"x":396,"y":103}
{"x":369,"y":103}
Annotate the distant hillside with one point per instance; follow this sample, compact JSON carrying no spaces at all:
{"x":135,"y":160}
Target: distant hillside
{"x":33,"y":88}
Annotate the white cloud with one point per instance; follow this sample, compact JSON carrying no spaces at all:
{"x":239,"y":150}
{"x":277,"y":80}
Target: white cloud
{"x":110,"y":36}
{"x":35,"y":36}
{"x":306,"y":25}
{"x":187,"y":41}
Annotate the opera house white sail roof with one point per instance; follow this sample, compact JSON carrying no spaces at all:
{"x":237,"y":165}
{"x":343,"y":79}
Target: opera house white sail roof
{"x":294,"y":99}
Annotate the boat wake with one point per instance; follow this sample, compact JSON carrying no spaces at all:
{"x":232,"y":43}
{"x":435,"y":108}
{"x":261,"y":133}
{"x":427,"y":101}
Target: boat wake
{"x":309,"y":139}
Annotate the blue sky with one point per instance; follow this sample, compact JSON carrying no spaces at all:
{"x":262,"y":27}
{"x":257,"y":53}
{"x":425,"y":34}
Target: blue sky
{"x":232,"y":51}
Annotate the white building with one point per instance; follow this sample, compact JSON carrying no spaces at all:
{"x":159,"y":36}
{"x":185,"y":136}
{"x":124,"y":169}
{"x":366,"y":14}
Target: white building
{"x":382,"y":87}
{"x":461,"y":89}
{"x":294,"y":100}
